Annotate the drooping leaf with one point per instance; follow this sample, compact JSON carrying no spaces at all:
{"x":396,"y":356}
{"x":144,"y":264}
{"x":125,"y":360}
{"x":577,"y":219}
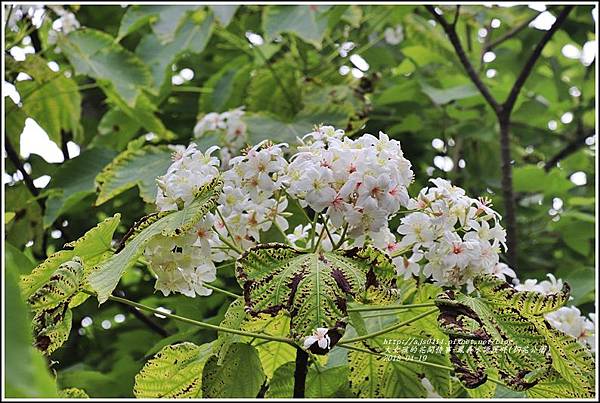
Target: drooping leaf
{"x":51,"y":328}
{"x":225,"y":381}
{"x":28,"y":375}
{"x":98,"y":55}
{"x":136,"y":166}
{"x":65,"y":282}
{"x":174,"y":372}
{"x":312,"y":287}
{"x":191,"y":37}
{"x":504,"y":317}
{"x":91,"y":248}
{"x":105,"y":276}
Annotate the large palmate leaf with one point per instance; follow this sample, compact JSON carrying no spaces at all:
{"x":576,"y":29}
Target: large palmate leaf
{"x":174,"y":372}
{"x":312,"y":287}
{"x":504,"y":329}
{"x":105,"y":276}
{"x":136,"y":166}
{"x":96,"y":54}
{"x":240,"y":374}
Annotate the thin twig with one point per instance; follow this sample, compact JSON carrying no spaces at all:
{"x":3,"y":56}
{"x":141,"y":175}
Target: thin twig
{"x":222,"y":291}
{"x":460,"y":52}
{"x":509,"y":34}
{"x":537,"y":52}
{"x":195,"y":322}
{"x":569,"y":149}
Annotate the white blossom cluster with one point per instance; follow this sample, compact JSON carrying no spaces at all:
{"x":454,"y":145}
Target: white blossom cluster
{"x":229,"y":125}
{"x":250,"y":203}
{"x":180,"y":264}
{"x":450,"y":237}
{"x":356,"y":183}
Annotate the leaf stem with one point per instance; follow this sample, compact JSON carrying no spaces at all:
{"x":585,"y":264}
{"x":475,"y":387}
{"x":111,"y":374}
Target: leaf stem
{"x":226,"y":242}
{"x":195,"y":322}
{"x":388,"y":329}
{"x":222,"y":291}
{"x":389,"y":307}
{"x":226,"y":227}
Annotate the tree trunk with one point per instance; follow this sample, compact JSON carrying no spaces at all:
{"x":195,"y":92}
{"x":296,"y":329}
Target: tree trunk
{"x":300,"y":372}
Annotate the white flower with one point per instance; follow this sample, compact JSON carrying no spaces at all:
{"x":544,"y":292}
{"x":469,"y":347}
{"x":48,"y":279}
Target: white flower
{"x":501,"y":270}
{"x":570,"y":321}
{"x":320,"y":337}
{"x":394,"y":36}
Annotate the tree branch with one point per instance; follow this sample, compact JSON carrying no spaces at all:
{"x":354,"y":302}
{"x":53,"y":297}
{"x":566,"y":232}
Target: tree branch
{"x":569,"y":149}
{"x":508,"y":105}
{"x":460,"y":52}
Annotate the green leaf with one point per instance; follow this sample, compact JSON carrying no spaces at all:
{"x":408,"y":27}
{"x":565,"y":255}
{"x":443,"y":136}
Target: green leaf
{"x":373,"y":376}
{"x":13,"y":257}
{"x":191,"y":37}
{"x":240,"y":375}
{"x":136,"y":166}
{"x":73,"y":393}
{"x":105,"y":276}
{"x":320,"y":382}
{"x":115,"y":130}
{"x":502,"y":317}
{"x":143,"y":113}
{"x":14,"y":123}
{"x":164,"y":19}
{"x":55,"y":105}
{"x":65,"y":282}
{"x":227,"y":86}
{"x":532,"y":178}
{"x":51,"y":328}
{"x":90,"y":248}
{"x":224,"y":13}
{"x":311,"y":287}
{"x":445,"y":95}
{"x":67,"y":188}
{"x":174,"y":372}
{"x":264,"y":126}
{"x":273,"y":354}
{"x":97,"y":54}
{"x":28,"y":375}
{"x":307,"y":22}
